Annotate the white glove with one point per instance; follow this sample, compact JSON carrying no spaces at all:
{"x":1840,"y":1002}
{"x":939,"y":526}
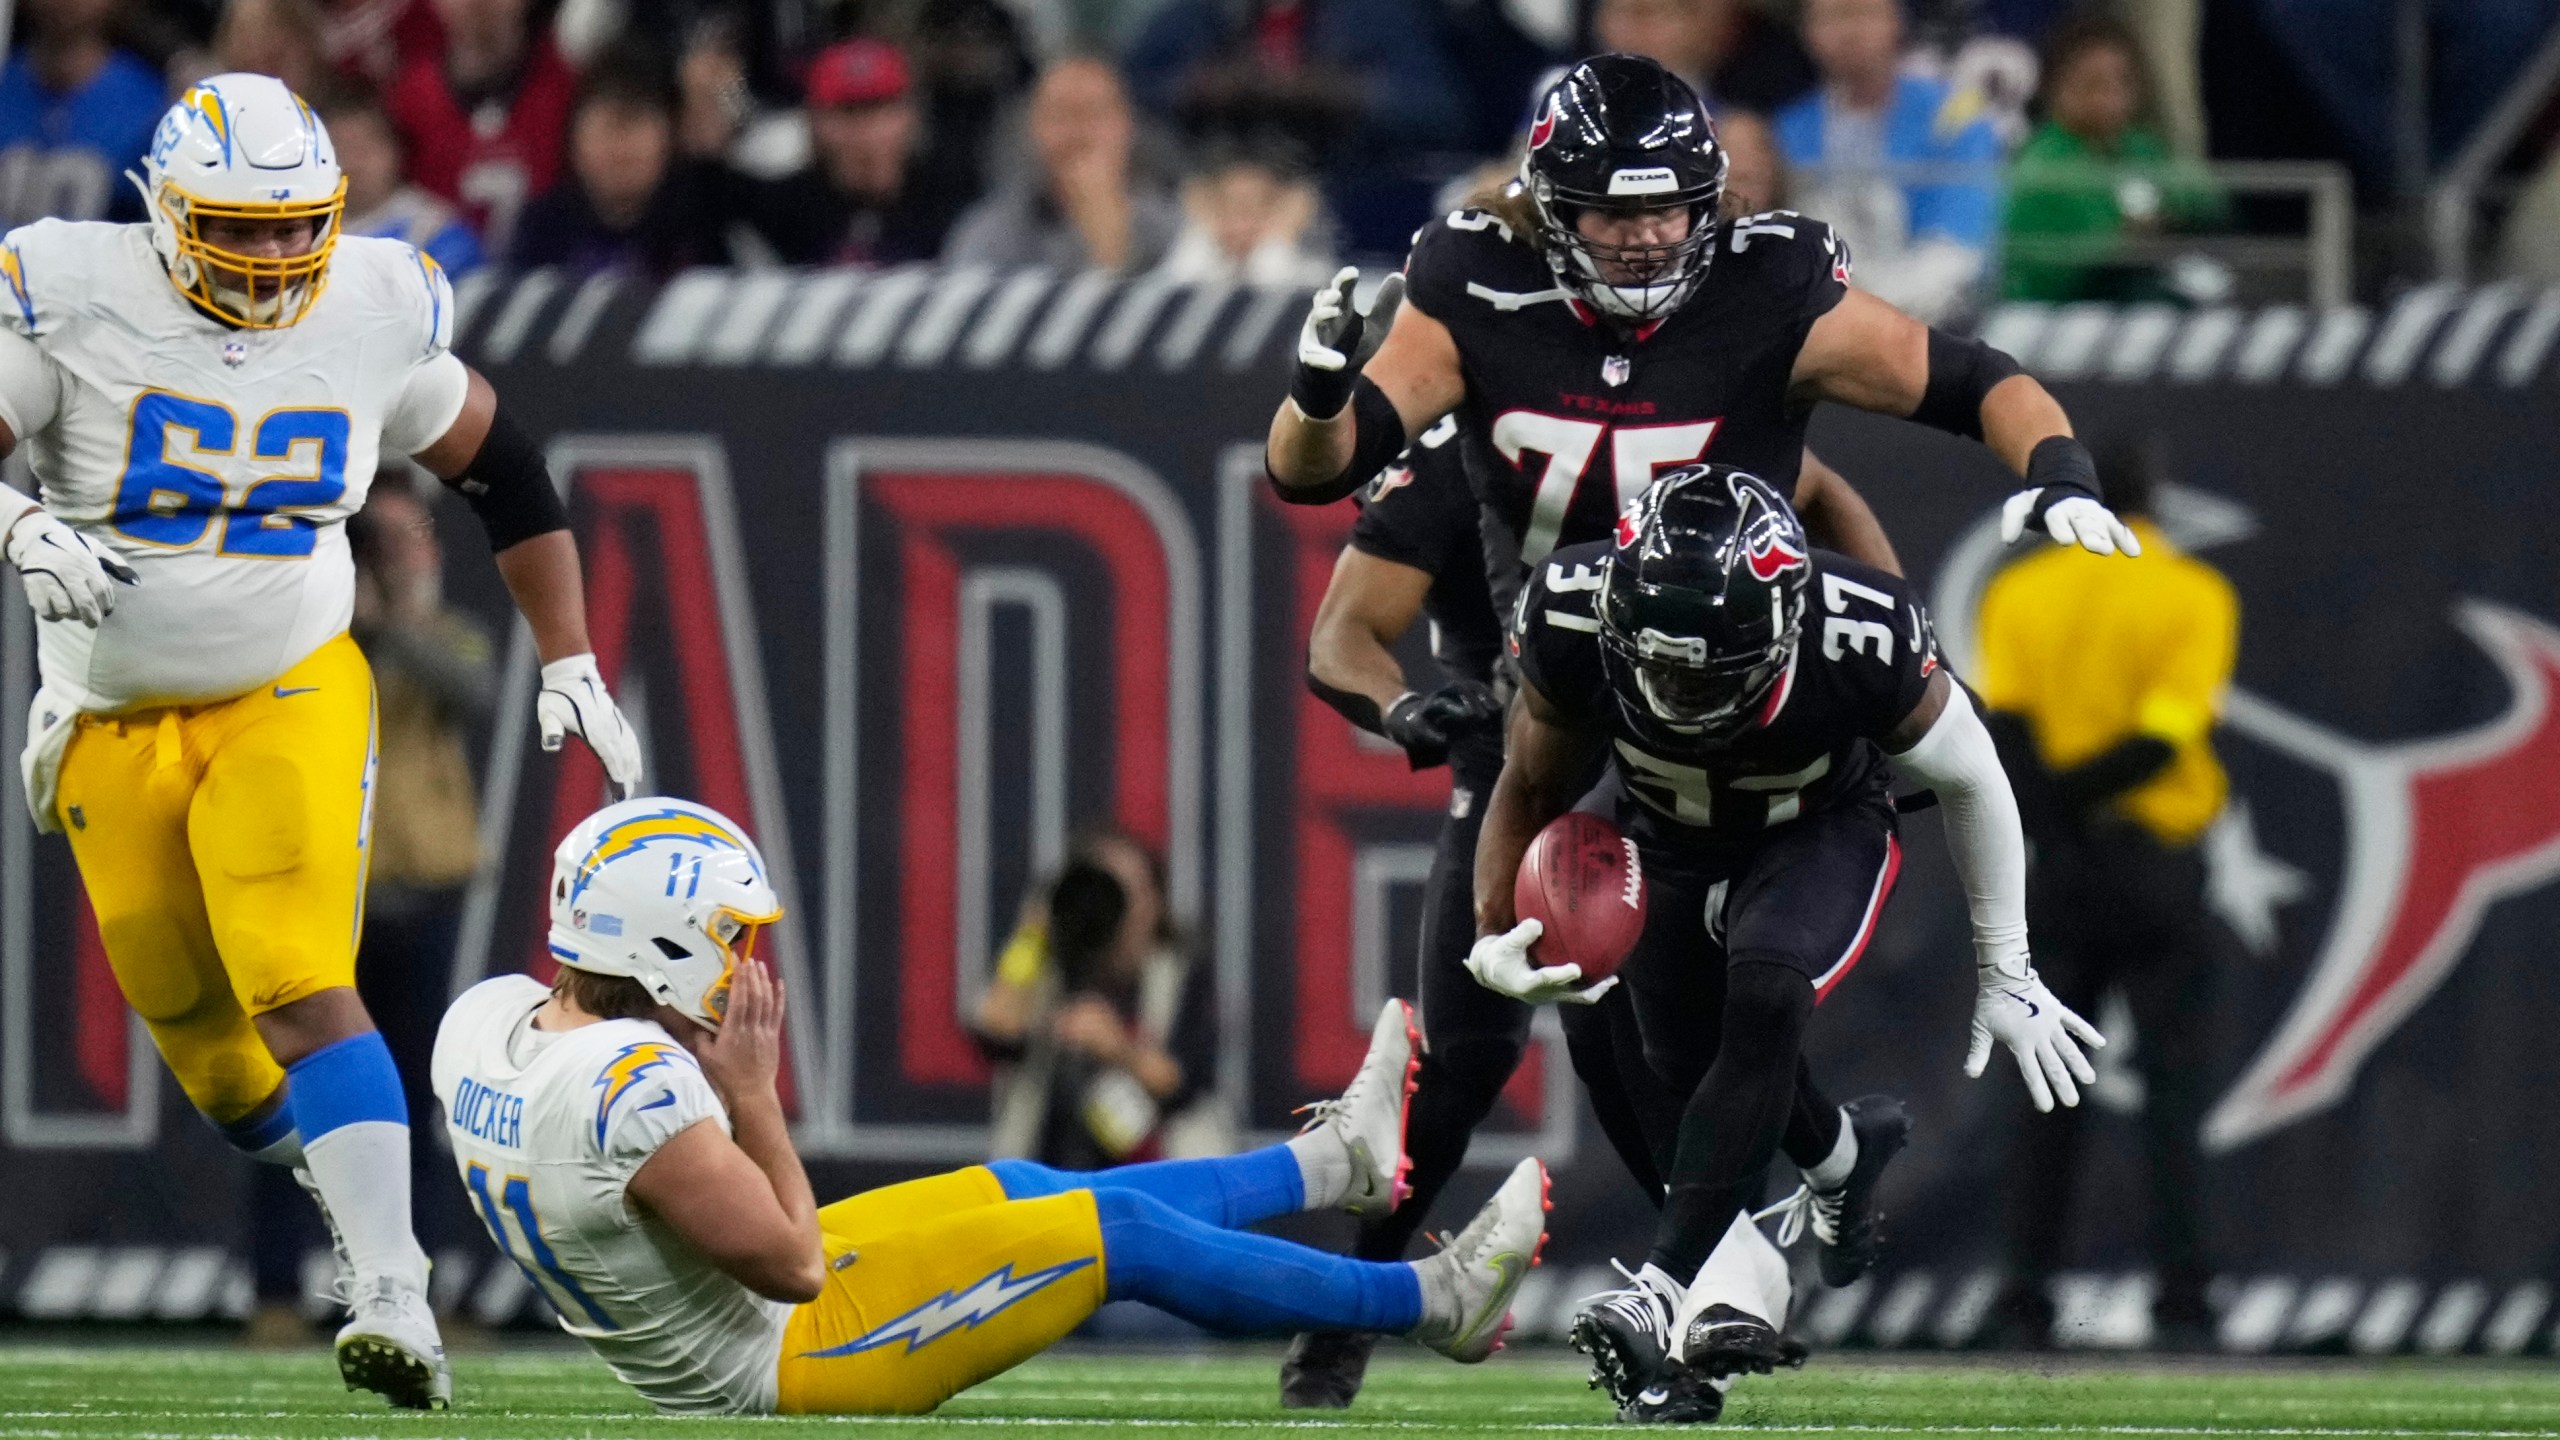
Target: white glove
{"x":2040,"y":1030}
{"x":573,"y":702}
{"x":68,"y":576}
{"x":2071,"y":519}
{"x":1340,"y":337}
{"x":1500,"y":963}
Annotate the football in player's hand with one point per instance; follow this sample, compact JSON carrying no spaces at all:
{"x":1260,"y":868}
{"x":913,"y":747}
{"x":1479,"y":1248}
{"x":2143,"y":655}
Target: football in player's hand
{"x":1582,"y":881}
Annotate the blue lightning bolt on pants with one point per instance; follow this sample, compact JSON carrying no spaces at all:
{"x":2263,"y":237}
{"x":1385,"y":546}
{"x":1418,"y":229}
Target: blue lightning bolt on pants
{"x":939,"y":1283}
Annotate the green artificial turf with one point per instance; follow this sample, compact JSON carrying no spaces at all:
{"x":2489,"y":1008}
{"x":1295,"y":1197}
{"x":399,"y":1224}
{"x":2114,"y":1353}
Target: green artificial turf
{"x":146,"y":1393}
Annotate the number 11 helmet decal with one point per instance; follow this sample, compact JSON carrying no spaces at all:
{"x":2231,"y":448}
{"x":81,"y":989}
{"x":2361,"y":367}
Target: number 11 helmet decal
{"x":1701,"y":601}
{"x":1621,"y":134}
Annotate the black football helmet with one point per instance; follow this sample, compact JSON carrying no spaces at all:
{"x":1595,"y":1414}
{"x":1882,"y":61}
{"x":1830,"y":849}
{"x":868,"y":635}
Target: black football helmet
{"x":1619,"y":132}
{"x":1701,"y":601}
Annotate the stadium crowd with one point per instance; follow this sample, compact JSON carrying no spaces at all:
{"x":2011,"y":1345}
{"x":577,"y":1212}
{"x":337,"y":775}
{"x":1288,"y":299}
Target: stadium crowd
{"x":2036,"y":149}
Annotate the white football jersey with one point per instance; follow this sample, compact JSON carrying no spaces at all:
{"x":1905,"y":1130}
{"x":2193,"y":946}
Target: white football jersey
{"x":547,"y":1127}
{"x":220,"y":464}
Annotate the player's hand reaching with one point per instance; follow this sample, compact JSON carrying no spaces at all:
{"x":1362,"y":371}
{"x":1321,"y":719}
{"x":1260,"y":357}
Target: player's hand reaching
{"x":2071,"y":515}
{"x":68,"y":576}
{"x":1339,"y":338}
{"x":743,"y":1058}
{"x":574,"y":702}
{"x":1427,"y":725}
{"x":2046,"y":1036}
{"x":1501,"y":964}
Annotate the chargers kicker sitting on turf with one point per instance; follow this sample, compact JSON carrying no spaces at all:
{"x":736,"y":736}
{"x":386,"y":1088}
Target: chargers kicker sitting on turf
{"x":204,"y":398}
{"x":622,"y":1137}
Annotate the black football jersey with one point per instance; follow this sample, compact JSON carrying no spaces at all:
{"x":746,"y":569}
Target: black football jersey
{"x":1568,"y":416}
{"x":1420,"y":512}
{"x":1862,"y":664}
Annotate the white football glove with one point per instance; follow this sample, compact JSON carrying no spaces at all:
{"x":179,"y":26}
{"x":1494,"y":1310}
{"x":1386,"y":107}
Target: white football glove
{"x":68,"y":576}
{"x":1500,"y":963}
{"x":2040,"y":1030}
{"x":1338,"y":336}
{"x":2070,"y":518}
{"x":574,"y":702}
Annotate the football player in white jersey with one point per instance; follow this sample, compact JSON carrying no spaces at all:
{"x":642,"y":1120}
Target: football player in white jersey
{"x":621,"y":1135}
{"x":203,"y":399}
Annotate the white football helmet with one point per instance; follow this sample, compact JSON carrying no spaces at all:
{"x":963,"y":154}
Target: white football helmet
{"x":242,"y":147}
{"x":665,"y":892}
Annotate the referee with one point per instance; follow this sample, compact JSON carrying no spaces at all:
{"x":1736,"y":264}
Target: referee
{"x":2106,"y":677}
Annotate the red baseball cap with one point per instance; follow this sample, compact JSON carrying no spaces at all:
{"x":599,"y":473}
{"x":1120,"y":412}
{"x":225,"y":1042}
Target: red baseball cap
{"x":857,"y":72}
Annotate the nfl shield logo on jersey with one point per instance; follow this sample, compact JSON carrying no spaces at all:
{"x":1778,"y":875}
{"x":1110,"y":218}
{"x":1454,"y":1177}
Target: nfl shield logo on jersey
{"x":1617,"y":369}
{"x":234,"y":353}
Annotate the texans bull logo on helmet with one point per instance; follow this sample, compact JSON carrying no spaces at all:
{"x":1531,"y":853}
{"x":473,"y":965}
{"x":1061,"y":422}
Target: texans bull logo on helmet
{"x":1545,"y":127}
{"x":1768,"y":547}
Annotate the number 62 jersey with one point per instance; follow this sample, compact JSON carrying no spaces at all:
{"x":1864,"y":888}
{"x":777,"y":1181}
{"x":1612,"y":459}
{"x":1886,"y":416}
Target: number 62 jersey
{"x":1862,"y":663}
{"x":220,"y":464}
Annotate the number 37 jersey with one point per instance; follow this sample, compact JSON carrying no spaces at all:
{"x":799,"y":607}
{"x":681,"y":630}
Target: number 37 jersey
{"x":220,"y":464}
{"x":1862,"y":663}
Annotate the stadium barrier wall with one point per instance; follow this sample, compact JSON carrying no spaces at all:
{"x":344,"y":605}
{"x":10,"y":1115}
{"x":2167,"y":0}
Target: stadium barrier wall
{"x":917,"y":573}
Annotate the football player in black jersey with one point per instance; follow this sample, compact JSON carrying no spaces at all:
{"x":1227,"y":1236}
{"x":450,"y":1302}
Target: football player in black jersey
{"x":1601,"y":322}
{"x":1416,"y":551}
{"x":1753,"y":697}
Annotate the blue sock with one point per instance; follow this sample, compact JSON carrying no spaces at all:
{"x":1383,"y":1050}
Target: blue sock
{"x":1239,"y":1283}
{"x":343,"y":1083}
{"x":1228,"y":1191}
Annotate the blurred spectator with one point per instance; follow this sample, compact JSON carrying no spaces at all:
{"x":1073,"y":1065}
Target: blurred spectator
{"x":1081,"y":207}
{"x":380,"y":200}
{"x":273,"y":37}
{"x":1364,"y":79}
{"x":2345,"y":51}
{"x":75,"y":112}
{"x":1105,"y":1027}
{"x":376,"y":39}
{"x":2094,"y":175}
{"x":1250,"y":218}
{"x":433,"y":680}
{"x":972,"y":68}
{"x":483,"y":123}
{"x":1729,"y":53}
{"x":1755,"y":177}
{"x":625,"y":203}
{"x":865,"y":197}
{"x":2104,"y":677}
{"x":1904,"y":167}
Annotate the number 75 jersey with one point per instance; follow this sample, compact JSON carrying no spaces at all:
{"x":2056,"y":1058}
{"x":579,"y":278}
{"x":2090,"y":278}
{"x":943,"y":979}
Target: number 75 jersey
{"x":1862,"y":663}
{"x":220,"y":464}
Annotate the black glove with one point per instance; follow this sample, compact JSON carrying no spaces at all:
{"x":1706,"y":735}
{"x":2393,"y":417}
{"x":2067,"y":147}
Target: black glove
{"x":1426,"y":725}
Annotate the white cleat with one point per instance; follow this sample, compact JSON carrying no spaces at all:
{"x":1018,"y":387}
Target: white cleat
{"x":1467,"y":1288}
{"x":389,"y":1344}
{"x":1369,"y":1115}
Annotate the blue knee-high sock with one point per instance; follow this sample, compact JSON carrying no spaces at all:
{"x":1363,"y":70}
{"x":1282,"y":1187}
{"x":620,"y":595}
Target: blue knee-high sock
{"x":1228,"y":1191}
{"x":1238,"y":1283}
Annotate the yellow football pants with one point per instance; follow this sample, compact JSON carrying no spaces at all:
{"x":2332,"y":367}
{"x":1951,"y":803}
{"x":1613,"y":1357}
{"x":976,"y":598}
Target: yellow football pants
{"x":223,"y":847}
{"x":935,"y":1285}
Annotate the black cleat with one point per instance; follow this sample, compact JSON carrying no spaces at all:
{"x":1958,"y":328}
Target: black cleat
{"x":1846,"y":1220}
{"x":1627,"y":1335}
{"x":1324,"y":1369}
{"x":1682,"y":1397}
{"x":1724,"y":1341}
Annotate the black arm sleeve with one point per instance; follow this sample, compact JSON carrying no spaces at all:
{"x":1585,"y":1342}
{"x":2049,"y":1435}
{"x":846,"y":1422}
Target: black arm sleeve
{"x":2111,"y":772}
{"x":1377,"y":439}
{"x":508,"y":485}
{"x":1961,"y":373}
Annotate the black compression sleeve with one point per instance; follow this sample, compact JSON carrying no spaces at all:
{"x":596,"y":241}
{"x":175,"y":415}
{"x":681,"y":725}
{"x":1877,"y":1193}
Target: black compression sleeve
{"x":1961,"y":373}
{"x":508,"y":486}
{"x":1377,"y":439}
